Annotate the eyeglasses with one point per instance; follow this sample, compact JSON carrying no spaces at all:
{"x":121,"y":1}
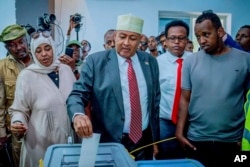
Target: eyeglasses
{"x":45,"y":34}
{"x":174,"y":38}
{"x":144,"y":43}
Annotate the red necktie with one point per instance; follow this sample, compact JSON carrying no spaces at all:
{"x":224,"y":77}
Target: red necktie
{"x":177,"y":92}
{"x":136,"y":119}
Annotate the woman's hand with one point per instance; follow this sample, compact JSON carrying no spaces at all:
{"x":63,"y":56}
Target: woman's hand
{"x":18,"y":129}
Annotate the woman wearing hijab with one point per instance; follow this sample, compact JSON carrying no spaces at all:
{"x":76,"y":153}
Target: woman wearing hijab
{"x":38,"y":113}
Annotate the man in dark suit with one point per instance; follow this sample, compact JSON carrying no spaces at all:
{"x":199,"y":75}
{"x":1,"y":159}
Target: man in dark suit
{"x":105,"y":81}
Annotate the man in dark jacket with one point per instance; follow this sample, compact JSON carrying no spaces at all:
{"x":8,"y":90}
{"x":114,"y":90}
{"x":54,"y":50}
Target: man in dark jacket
{"x":105,"y":81}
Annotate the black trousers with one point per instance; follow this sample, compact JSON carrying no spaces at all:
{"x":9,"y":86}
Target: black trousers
{"x":143,"y":154}
{"x":6,"y":155}
{"x":214,"y":154}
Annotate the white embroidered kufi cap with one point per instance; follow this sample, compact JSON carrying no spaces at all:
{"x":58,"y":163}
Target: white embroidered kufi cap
{"x":130,"y":23}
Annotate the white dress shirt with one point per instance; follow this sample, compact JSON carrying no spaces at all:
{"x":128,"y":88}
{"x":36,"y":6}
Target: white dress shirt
{"x":168,"y":75}
{"x":123,"y":68}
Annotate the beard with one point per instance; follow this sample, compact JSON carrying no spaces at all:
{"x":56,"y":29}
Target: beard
{"x":152,"y":50}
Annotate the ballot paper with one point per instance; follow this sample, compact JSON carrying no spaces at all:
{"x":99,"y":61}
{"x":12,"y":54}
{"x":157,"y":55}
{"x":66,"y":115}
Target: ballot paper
{"x":89,"y":150}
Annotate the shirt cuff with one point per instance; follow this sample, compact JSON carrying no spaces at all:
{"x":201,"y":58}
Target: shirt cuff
{"x":224,"y":38}
{"x":76,"y":115}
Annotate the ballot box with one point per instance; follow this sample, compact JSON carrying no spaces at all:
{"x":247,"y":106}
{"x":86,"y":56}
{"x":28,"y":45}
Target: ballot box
{"x":108,"y":155}
{"x":170,"y":163}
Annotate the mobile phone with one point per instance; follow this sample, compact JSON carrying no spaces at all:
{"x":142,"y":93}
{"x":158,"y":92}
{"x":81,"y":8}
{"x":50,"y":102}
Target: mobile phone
{"x":69,"y":51}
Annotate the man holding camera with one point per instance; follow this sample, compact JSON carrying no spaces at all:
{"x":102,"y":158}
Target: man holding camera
{"x":75,"y":23}
{"x":72,"y":57}
{"x":72,"y":25}
{"x":18,"y":58}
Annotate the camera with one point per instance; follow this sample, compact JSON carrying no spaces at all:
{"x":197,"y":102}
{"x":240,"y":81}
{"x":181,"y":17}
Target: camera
{"x":29,"y":29}
{"x":76,"y":18}
{"x":45,"y":21}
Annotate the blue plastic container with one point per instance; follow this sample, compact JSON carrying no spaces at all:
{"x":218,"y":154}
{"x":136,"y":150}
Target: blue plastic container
{"x":108,"y":155}
{"x":170,"y":163}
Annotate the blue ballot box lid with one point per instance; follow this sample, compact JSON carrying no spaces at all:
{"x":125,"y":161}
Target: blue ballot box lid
{"x":108,"y":155}
{"x":170,"y":163}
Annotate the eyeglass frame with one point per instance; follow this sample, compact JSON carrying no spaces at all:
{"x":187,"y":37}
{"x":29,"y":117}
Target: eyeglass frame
{"x":172,"y":39}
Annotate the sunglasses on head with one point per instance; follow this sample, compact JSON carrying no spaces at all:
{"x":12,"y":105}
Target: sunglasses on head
{"x":45,"y":34}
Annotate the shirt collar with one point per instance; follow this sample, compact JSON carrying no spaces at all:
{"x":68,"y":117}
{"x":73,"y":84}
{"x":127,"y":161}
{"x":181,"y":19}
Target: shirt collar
{"x":11,"y":57}
{"x":173,"y":58}
{"x":122,"y":60}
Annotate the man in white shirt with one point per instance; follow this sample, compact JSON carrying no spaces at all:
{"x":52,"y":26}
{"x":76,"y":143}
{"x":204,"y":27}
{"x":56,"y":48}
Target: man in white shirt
{"x":176,"y":33}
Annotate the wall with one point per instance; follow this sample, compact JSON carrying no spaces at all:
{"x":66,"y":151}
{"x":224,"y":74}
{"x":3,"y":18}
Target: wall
{"x":22,"y":12}
{"x":28,"y":11}
{"x":63,"y":10}
{"x":7,"y":17}
{"x":100,"y":15}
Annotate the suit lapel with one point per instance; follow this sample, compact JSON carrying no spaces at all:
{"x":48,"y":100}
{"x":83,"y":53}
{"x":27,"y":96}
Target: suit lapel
{"x":115,"y":78}
{"x":146,"y":71}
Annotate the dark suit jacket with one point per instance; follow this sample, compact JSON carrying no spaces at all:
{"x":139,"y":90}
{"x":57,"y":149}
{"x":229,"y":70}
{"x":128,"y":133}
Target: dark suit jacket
{"x":100,"y":82}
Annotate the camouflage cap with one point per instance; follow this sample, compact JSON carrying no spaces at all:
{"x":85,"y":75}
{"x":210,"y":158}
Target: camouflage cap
{"x":12,"y":32}
{"x":74,"y":42}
